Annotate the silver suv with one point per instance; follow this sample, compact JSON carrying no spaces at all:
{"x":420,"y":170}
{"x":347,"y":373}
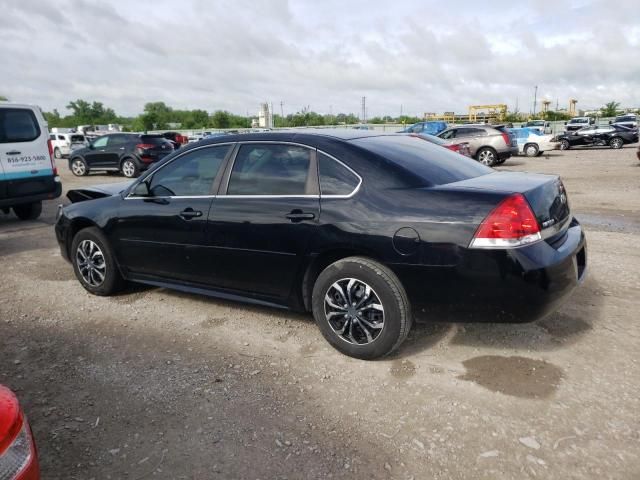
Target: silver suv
{"x":489,"y":144}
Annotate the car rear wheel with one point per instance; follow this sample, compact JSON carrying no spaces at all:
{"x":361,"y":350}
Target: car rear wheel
{"x":616,"y":143}
{"x":129,"y":168}
{"x":565,"y":145}
{"x":28,"y":211}
{"x":531,"y":150}
{"x":79,"y":167}
{"x":57,"y":153}
{"x":486,"y":156}
{"x":361,"y":308}
{"x":94,"y":263}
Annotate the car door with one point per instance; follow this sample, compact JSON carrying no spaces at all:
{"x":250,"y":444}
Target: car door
{"x":97,"y":155}
{"x":586,"y":135}
{"x":115,"y":149}
{"x":260,"y":223}
{"x":161,"y":223}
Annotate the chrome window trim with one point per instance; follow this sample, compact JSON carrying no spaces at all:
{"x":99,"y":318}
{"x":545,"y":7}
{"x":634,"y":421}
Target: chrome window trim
{"x":353,"y":192}
{"x":130,"y":196}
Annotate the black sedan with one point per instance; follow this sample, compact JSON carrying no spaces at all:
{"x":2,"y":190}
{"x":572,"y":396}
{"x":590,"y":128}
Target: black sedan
{"x":128,"y":153}
{"x":367,"y":231}
{"x":614,"y":136}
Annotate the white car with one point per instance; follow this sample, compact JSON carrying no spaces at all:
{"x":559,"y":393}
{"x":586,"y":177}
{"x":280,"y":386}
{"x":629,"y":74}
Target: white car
{"x":531,"y":142}
{"x":28,"y":173}
{"x":64,"y":143}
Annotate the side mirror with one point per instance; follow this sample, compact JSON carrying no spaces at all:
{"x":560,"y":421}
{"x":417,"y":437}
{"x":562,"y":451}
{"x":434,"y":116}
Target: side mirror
{"x":91,"y":146}
{"x":142,"y":190}
{"x":610,"y":122}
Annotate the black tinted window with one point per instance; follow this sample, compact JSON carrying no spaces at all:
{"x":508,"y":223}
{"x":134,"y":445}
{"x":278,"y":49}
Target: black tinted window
{"x":152,"y":139}
{"x":335,"y":178}
{"x":434,"y":164}
{"x":18,"y":125}
{"x":270,"y":169}
{"x":191,"y":174}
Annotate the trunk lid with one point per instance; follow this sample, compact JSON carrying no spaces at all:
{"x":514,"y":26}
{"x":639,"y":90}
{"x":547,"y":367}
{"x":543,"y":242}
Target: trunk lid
{"x":545,"y":193}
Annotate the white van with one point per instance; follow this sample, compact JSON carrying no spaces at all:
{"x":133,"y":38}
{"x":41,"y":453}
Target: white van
{"x":64,"y":143}
{"x":28,"y":173}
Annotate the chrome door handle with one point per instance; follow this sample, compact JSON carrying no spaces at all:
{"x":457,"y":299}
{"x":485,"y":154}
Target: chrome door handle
{"x":189,"y":213}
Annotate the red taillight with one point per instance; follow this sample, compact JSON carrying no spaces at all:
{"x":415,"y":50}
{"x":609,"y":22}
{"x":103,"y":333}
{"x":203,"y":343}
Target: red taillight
{"x":145,"y":146}
{"x":18,"y":457}
{"x":10,"y":418}
{"x":511,"y":224}
{"x":507,"y":139}
{"x":453,"y":148}
{"x":51,"y":157}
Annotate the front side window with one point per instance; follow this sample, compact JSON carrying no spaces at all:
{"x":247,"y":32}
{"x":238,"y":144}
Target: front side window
{"x":270,"y":169}
{"x":191,"y":174}
{"x":101,"y":142}
{"x":18,"y":125}
{"x":449,"y":134}
{"x":335,"y":178}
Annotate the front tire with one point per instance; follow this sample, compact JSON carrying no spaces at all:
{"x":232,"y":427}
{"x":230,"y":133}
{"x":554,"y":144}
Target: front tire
{"x":28,"y":211}
{"x":57,"y":153}
{"x":94,"y":263}
{"x":129,"y":168}
{"x":486,"y":156}
{"x":361,"y":308}
{"x":79,"y":167}
{"x":565,"y":145}
{"x":616,"y":143}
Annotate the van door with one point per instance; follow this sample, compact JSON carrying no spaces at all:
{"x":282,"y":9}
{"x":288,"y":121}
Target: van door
{"x":24,"y":153}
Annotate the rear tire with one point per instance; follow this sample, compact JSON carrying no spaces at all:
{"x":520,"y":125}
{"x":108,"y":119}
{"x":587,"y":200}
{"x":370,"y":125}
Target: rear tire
{"x":94,"y":263}
{"x":28,"y":211}
{"x":564,"y":144}
{"x":616,"y":143}
{"x":57,"y":153}
{"x":129,"y":168}
{"x":531,"y":149}
{"x":377,"y":315}
{"x":487,"y":156}
{"x":79,"y":167}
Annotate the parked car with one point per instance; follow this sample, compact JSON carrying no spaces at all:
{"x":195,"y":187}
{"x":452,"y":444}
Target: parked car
{"x":614,"y":136}
{"x":28,"y":173}
{"x":363,"y":229}
{"x":533,"y":143}
{"x":462,"y":147}
{"x":576,"y":123}
{"x":638,"y":153}
{"x":177,"y":139}
{"x":489,"y":144}
{"x":429,"y":128}
{"x":128,"y":153}
{"x":64,"y":143}
{"x":18,"y":454}
{"x":543,"y":126}
{"x":197,"y":136}
{"x":629,"y":120}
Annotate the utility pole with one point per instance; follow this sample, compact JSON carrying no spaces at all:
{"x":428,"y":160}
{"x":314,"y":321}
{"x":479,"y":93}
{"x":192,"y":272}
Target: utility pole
{"x":400,"y":110}
{"x":535,"y":100}
{"x":282,"y":113}
{"x":364,"y":110}
{"x":331,"y":114}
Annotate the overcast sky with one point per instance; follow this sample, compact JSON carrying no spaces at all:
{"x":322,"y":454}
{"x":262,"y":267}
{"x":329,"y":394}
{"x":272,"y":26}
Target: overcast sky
{"x":429,"y":56}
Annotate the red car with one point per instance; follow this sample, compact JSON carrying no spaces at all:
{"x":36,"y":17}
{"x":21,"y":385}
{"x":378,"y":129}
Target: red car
{"x":18,"y":456}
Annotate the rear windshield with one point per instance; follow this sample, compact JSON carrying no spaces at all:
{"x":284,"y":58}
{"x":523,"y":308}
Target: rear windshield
{"x":153,"y":139}
{"x":77,"y":138}
{"x":579,"y":120}
{"x":18,"y":125}
{"x":434,"y":164}
{"x":627,"y":118}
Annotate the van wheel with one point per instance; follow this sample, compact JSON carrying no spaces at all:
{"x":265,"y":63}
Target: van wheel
{"x":57,"y":153}
{"x":361,"y":308}
{"x":94,"y":263}
{"x":28,"y":211}
{"x":129,"y":168}
{"x":79,"y":167}
{"x":531,"y":150}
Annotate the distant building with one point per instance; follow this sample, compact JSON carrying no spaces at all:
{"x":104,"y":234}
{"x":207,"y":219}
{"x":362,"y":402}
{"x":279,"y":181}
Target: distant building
{"x":265,"y":116}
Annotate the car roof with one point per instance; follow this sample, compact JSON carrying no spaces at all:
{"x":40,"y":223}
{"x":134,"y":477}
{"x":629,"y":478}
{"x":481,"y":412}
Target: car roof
{"x":296,"y":134}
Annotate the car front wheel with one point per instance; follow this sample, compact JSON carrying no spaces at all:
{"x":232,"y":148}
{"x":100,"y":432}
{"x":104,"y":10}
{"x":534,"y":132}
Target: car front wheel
{"x":79,"y":167}
{"x":531,"y":150}
{"x":616,"y":143}
{"x":486,"y":156}
{"x":565,"y":145}
{"x":361,"y":308}
{"x":94,"y":264}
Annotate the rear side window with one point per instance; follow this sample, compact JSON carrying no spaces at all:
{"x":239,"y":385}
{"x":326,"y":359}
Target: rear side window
{"x":152,"y":139}
{"x":435,"y":165}
{"x":18,"y":125}
{"x":270,"y":169}
{"x":335,"y":178}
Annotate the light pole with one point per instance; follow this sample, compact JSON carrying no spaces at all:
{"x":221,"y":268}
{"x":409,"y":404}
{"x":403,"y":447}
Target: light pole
{"x":535,"y":100}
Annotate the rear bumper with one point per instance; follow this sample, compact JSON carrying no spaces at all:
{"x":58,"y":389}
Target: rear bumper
{"x":518,"y":285}
{"x":30,"y":196}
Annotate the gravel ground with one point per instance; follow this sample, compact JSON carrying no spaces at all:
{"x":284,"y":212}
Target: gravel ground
{"x":159,"y":384}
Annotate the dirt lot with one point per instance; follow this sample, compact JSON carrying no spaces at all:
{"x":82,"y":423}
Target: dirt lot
{"x":158,"y":384}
